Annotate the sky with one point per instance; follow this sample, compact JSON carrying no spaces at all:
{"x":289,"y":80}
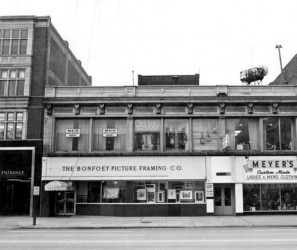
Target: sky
{"x":117,"y":40}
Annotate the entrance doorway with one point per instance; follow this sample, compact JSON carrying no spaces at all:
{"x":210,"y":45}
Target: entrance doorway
{"x":65,"y":203}
{"x":224,"y":199}
{"x":15,"y":197}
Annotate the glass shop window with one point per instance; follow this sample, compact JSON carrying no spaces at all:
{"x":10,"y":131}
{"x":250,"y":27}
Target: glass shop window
{"x":109,"y":135}
{"x":72,"y":135}
{"x":278,"y":133}
{"x":270,"y":197}
{"x":177,"y":134}
{"x":147,"y":134}
{"x":116,"y":191}
{"x":244,"y":133}
{"x":205,"y":134}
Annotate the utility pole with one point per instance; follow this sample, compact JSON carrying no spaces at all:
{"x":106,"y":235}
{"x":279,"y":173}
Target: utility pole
{"x":278,"y":46}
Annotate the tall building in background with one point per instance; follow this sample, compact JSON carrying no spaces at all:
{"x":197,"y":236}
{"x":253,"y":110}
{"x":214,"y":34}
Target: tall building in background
{"x":32,"y":56}
{"x":289,"y":74}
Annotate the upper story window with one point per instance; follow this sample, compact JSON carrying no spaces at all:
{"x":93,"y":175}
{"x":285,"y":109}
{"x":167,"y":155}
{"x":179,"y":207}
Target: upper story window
{"x":278,"y":133}
{"x":11,"y":125}
{"x":177,"y":134}
{"x":13,"y":42}
{"x":72,"y":135}
{"x":109,"y":135}
{"x":12,"y":82}
{"x":205,"y":134}
{"x":147,"y":134}
{"x":243,"y":133}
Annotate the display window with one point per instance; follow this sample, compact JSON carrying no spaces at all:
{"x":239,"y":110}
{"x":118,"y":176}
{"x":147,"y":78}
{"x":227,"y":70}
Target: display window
{"x":278,"y":133}
{"x":140,"y":192}
{"x":205,"y":134}
{"x":177,"y":134}
{"x":147,"y":134}
{"x":109,"y":135}
{"x":269,"y":197}
{"x":244,"y":133}
{"x":72,"y":135}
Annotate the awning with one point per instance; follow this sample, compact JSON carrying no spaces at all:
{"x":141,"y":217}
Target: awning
{"x":58,"y":186}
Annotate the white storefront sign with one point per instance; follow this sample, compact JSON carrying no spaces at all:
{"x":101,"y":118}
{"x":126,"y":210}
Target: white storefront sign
{"x":271,"y":170}
{"x":72,"y":132}
{"x":208,"y":190}
{"x":123,"y":168}
{"x":110,"y":132}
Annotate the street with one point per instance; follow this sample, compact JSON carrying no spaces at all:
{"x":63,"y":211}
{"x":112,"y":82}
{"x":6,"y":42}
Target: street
{"x":151,"y":238}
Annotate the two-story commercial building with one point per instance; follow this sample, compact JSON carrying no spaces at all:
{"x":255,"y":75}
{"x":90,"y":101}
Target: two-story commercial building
{"x":177,"y":150}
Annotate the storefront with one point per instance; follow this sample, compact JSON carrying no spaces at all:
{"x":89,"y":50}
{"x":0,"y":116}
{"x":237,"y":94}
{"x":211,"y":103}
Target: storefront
{"x":244,"y":185}
{"x":126,"y":186}
{"x":269,"y":184}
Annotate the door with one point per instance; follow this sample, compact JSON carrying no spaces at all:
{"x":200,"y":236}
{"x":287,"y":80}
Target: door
{"x":65,"y":203}
{"x":224,"y":200}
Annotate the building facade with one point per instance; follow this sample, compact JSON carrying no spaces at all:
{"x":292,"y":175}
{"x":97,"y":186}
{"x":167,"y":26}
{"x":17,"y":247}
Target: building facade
{"x":169,"y":150}
{"x":32,"y":55}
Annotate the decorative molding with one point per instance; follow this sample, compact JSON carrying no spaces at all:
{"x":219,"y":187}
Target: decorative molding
{"x":275,"y":108}
{"x":158,"y":110}
{"x":222,"y":108}
{"x":49,"y":109}
{"x":250,"y":108}
{"x":101,"y":108}
{"x":77,"y":109}
{"x":190,"y":108}
{"x":130,"y":108}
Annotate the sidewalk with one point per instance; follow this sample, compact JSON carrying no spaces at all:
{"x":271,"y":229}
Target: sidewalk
{"x":92,"y":222}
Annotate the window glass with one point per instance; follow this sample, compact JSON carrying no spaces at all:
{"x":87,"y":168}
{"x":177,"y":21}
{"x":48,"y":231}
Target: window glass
{"x":2,"y":127}
{"x":14,"y":47}
{"x":5,"y":48}
{"x":140,"y":191}
{"x":19,"y":116}
{"x":24,"y":33}
{"x":10,"y":116}
{"x":6,"y":34}
{"x":251,"y":197}
{"x":23,"y":47}
{"x":2,"y":88}
{"x":244,"y":133}
{"x":147,"y":134}
{"x":205,"y":134}
{"x":13,"y":74}
{"x":109,"y":135}
{"x":64,"y":141}
{"x":11,"y":88}
{"x":9,"y":131}
{"x":4,"y":74}
{"x":2,"y":116}
{"x":0,"y":33}
{"x":20,"y":89}
{"x":15,"y":34}
{"x":176,"y":134}
{"x":21,"y":74}
{"x":18,"y":131}
{"x":278,"y":133}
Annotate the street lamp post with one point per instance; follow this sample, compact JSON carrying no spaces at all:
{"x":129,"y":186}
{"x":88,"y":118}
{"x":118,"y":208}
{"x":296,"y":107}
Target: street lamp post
{"x":278,"y":46}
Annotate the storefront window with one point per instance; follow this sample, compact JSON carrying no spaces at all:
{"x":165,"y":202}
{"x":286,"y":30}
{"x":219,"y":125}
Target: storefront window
{"x":177,"y":134}
{"x":72,"y":135}
{"x":269,"y":197}
{"x":205,"y":134}
{"x":109,"y":135}
{"x":141,"y":192}
{"x":147,"y":134}
{"x":244,"y":133}
{"x":278,"y":133}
